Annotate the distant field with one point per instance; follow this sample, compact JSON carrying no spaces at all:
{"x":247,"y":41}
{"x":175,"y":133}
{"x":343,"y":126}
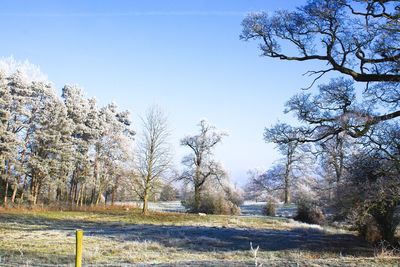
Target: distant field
{"x":248,"y":208}
{"x":122,"y":237}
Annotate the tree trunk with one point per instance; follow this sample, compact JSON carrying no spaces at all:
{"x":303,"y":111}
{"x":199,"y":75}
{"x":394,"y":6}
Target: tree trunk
{"x":287,"y":186}
{"x":37,"y":187}
{"x":32,"y":192}
{"x":83,"y":198}
{"x":79,"y":195}
{"x":114,"y":191}
{"x":76,"y":193}
{"x":93,"y":199}
{"x":71,"y":190}
{"x":58,"y":194}
{"x":287,"y":191}
{"x":15,"y":189}
{"x":6,"y":185}
{"x":49,"y":194}
{"x":93,"y":196}
{"x":35,"y":199}
{"x":197,"y":199}
{"x":145,"y":201}
{"x":74,"y":187}
{"x":35,"y":194}
{"x":99,"y":197}
{"x":287,"y":178}
{"x":6,"y":193}
{"x":21,"y":198}
{"x":113,"y":196}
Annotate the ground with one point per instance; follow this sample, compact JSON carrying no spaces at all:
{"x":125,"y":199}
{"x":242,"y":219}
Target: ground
{"x":123,"y":237}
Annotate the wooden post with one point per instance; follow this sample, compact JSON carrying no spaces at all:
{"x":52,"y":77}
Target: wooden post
{"x":79,"y":238}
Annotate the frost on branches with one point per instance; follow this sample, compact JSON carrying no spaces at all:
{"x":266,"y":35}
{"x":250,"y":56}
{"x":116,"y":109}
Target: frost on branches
{"x":58,"y":149}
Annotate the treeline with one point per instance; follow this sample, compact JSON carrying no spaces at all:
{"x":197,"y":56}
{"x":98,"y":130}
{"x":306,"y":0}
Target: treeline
{"x":67,"y":150}
{"x":70,"y":151}
{"x":356,"y":179}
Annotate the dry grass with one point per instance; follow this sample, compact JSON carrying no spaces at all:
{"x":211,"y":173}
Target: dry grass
{"x":132,"y":215}
{"x":40,"y":237}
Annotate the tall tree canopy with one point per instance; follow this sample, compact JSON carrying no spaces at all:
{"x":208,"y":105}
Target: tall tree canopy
{"x":360,"y":41}
{"x":357,"y":38}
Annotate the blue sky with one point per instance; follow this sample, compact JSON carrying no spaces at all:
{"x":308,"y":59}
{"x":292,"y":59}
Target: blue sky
{"x":185,"y":56}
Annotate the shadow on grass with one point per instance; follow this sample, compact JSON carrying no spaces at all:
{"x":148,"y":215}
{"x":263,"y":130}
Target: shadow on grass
{"x":201,"y":238}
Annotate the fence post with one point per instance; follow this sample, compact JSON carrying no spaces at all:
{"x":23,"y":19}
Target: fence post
{"x":79,"y":238}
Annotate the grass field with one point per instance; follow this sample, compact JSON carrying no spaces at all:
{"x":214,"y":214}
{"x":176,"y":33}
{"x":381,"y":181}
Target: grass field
{"x":122,"y":237}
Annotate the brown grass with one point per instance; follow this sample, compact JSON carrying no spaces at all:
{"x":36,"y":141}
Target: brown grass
{"x":29,"y":236}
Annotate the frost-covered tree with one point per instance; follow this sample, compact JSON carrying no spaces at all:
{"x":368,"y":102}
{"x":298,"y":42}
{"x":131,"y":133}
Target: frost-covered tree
{"x":7,"y":138}
{"x":356,"y":39}
{"x":21,"y":94}
{"x":5,"y":102}
{"x":200,"y":164}
{"x":332,"y":157}
{"x":329,"y":112}
{"x":49,"y":147}
{"x":153,"y":155}
{"x":254,"y":188}
{"x":113,"y":148}
{"x":53,"y":149}
{"x":82,"y":137}
{"x":294,"y":164}
{"x":266,"y":184}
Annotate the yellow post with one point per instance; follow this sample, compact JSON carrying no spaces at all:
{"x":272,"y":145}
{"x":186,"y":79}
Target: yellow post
{"x":79,"y":238}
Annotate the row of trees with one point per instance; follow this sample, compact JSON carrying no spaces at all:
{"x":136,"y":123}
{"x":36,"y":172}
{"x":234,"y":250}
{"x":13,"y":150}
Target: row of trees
{"x":53,"y":149}
{"x":345,"y":150}
{"x":69,"y":150}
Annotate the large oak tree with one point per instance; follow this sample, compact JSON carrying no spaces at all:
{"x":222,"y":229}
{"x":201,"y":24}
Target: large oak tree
{"x":359,"y":39}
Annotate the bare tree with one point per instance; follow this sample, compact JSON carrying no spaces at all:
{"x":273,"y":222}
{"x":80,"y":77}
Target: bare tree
{"x":285,"y":138}
{"x":154,"y":153}
{"x":200,"y":165}
{"x":265,"y":184}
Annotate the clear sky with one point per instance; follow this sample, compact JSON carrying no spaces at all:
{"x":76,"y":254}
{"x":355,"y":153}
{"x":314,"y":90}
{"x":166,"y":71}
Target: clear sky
{"x":185,"y":56}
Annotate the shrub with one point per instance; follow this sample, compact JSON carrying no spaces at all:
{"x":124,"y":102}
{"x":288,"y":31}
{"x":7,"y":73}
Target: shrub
{"x":169,"y":193}
{"x":369,"y":197}
{"x":269,"y":209}
{"x":370,"y":231}
{"x":309,"y":212}
{"x":367,"y":226}
{"x":235,"y":197}
{"x":213,"y":204}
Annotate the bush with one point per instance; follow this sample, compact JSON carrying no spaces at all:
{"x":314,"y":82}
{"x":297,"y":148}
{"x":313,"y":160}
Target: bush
{"x":309,"y":212}
{"x":369,"y":196}
{"x":169,"y":193}
{"x":234,"y":197}
{"x":213,"y":204}
{"x":370,"y":230}
{"x":367,"y":226}
{"x":269,"y":209}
